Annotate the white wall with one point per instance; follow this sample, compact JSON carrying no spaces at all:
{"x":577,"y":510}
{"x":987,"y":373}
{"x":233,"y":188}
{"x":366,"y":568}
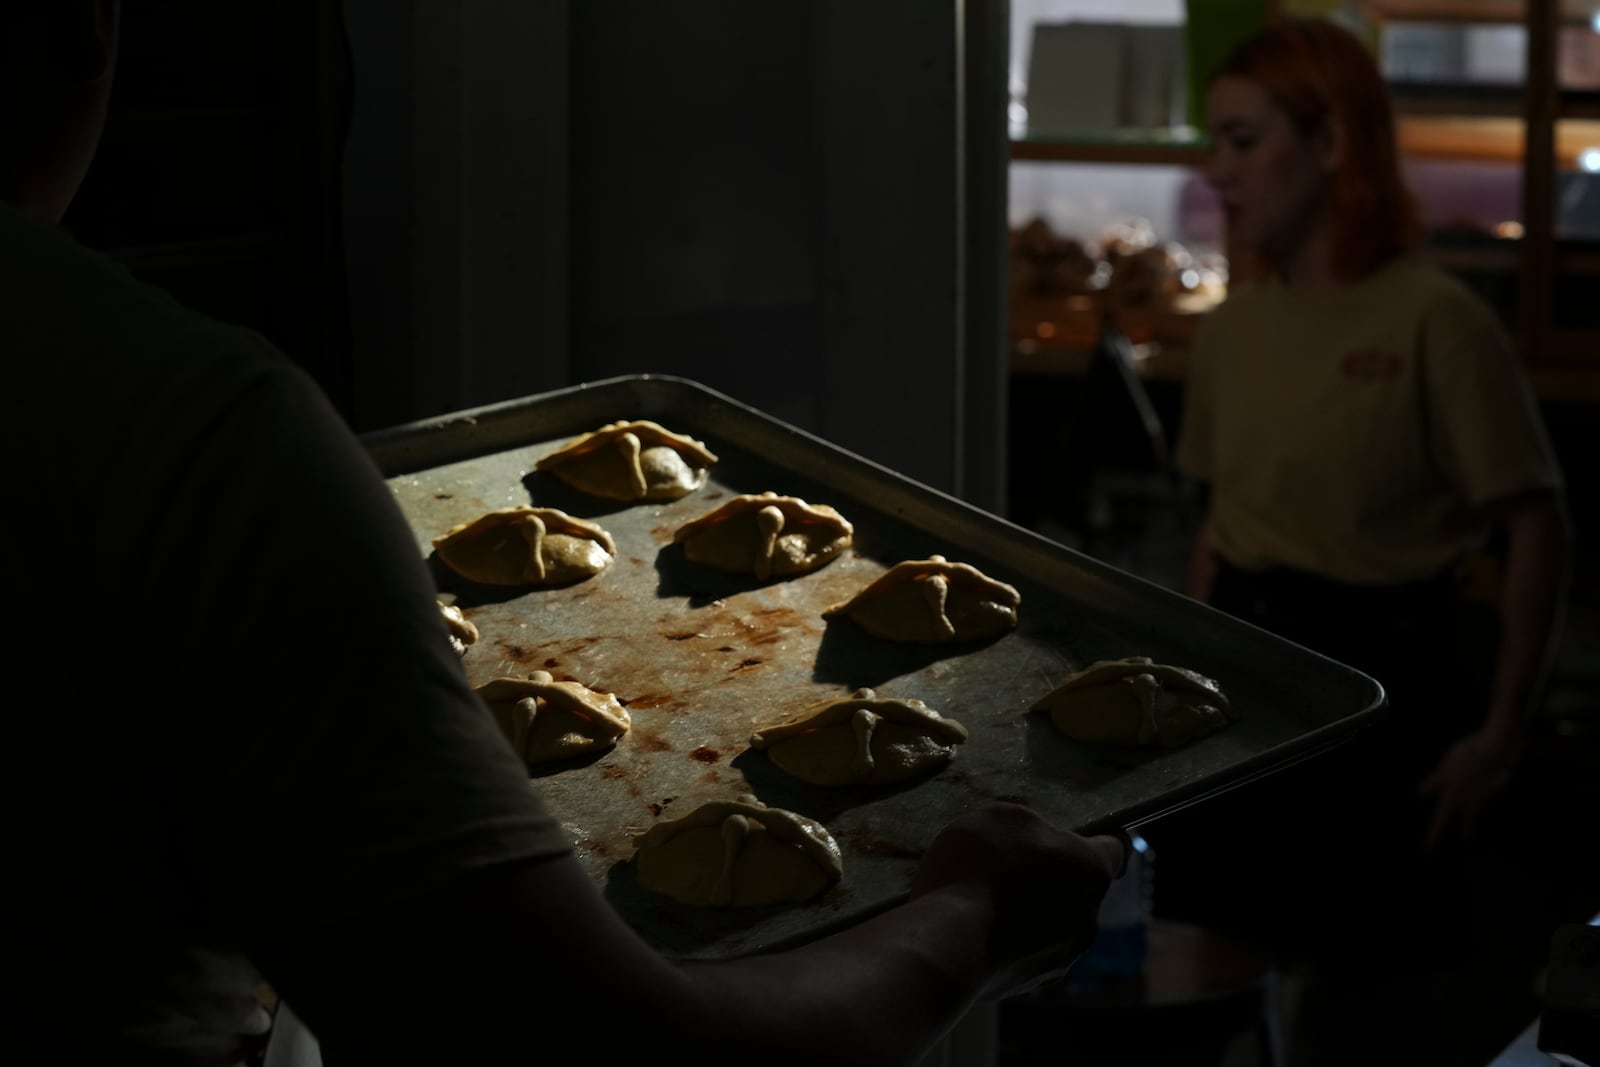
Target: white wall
{"x":1084,"y":200}
{"x":1024,"y":13}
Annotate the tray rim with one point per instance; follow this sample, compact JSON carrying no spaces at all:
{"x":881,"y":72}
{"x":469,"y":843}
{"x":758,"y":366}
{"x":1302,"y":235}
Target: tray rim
{"x":488,"y":428}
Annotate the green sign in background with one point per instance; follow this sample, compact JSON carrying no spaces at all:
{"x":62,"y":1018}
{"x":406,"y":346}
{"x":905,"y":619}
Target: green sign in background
{"x":1213,"y":27}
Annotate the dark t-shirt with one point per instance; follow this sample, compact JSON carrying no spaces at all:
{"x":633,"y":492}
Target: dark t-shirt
{"x":234,"y":707}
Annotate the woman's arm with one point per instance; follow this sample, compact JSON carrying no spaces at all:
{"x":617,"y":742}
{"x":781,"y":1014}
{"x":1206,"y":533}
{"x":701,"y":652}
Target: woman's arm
{"x":1538,"y":560}
{"x":1532,"y":598}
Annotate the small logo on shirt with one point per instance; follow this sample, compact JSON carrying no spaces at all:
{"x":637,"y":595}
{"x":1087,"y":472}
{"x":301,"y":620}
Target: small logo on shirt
{"x":1370,"y":365}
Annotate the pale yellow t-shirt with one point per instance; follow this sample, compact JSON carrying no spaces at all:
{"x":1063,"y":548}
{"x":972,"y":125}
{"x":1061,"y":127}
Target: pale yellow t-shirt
{"x":1358,"y":434}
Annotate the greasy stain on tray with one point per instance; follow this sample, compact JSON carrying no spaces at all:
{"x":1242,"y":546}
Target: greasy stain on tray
{"x":865,"y":845}
{"x":596,"y":848}
{"x":518,"y":653}
{"x":650,"y":741}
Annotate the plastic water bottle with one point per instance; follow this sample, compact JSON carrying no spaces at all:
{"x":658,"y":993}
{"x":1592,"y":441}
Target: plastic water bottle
{"x":1120,"y":951}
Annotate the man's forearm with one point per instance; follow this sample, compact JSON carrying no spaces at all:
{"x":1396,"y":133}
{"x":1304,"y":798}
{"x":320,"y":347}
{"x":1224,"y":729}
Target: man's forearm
{"x":883,"y":992}
{"x":517,"y":962}
{"x":881,"y":995}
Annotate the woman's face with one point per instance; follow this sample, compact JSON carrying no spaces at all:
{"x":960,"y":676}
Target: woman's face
{"x":1272,"y":179}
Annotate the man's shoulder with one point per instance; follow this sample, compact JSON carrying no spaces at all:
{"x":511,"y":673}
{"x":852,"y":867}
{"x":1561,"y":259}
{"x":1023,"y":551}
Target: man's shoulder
{"x":77,"y":319}
{"x":64,"y":284}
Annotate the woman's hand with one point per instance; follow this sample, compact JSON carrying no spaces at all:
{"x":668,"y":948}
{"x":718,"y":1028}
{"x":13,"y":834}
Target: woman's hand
{"x":1471,"y":772}
{"x":1532,"y":599}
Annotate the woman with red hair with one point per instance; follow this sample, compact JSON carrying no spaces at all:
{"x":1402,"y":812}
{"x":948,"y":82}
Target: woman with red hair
{"x":1365,"y":432}
{"x":1334,"y":105}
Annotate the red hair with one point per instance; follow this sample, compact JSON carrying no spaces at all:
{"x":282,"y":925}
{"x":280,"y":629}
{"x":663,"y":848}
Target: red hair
{"x":1321,"y":73}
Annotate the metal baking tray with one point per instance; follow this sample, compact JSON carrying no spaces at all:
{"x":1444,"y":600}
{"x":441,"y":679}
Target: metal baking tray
{"x":702,"y":658}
